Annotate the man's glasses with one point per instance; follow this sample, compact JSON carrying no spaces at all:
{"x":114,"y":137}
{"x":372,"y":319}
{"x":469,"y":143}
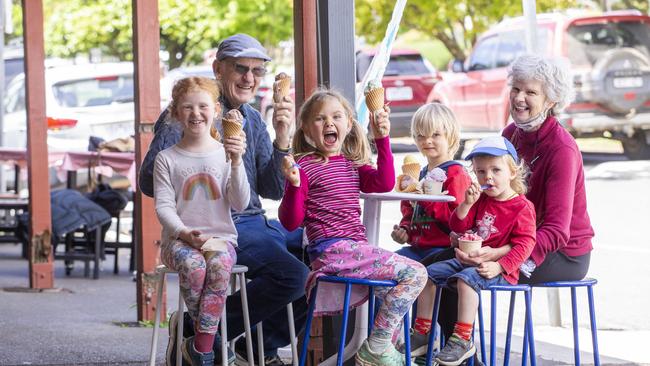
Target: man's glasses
{"x":243,"y":70}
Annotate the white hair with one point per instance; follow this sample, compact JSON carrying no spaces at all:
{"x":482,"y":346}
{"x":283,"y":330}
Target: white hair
{"x":557,"y":82}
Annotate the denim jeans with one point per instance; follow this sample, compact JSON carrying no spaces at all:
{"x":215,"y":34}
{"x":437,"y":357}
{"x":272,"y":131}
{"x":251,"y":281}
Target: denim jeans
{"x":446,"y":273}
{"x":417,"y":254}
{"x":276,"y":277}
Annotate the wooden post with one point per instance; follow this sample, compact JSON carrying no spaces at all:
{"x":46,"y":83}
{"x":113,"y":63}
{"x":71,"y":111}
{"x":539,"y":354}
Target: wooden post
{"x":41,"y":258}
{"x":305,"y":50}
{"x":146,"y":43}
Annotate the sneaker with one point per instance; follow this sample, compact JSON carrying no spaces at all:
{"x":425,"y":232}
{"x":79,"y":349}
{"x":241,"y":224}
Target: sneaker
{"x":390,"y":357}
{"x":171,"y":344}
{"x":455,"y":351}
{"x":196,"y":358}
{"x":216,"y":348}
{"x":241,"y":356}
{"x":419,"y":344}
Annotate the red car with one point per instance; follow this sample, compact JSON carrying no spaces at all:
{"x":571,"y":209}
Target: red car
{"x":610,"y":59}
{"x":407,"y":82}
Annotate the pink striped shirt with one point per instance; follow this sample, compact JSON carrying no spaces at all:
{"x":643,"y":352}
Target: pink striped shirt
{"x":327,"y":201}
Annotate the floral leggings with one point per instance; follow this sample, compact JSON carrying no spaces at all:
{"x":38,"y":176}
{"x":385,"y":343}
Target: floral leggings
{"x":204,"y":284}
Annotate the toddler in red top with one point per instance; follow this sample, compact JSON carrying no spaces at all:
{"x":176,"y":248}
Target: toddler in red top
{"x":496,"y":210}
{"x":425,"y":225}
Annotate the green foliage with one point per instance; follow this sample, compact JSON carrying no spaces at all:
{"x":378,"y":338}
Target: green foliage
{"x":187,"y":27}
{"x":456,"y":24}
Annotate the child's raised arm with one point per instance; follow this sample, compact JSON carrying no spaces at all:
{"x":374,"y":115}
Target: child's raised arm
{"x":292,"y":208}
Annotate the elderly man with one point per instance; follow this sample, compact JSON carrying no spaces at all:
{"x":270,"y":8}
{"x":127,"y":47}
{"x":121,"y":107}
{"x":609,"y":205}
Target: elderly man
{"x":277,"y":277}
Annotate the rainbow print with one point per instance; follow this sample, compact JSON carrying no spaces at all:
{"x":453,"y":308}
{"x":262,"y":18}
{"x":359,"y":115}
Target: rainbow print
{"x":202,"y":182}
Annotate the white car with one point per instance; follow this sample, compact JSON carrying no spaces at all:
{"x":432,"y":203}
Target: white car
{"x":81,"y":101}
{"x":167,"y":82}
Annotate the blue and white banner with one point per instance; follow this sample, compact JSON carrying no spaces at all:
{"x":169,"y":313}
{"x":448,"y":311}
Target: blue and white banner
{"x":378,"y":65}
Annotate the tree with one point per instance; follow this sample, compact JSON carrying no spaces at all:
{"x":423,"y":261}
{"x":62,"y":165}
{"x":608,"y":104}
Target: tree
{"x":187,"y":27}
{"x":456,"y":24}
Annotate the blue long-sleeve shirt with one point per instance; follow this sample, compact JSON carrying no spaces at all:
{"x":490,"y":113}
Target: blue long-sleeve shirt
{"x":261,"y":160}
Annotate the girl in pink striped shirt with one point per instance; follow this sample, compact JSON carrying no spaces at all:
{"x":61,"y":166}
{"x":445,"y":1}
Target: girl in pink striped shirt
{"x":322,"y":194}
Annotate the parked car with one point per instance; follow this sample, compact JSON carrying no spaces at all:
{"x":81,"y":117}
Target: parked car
{"x":81,"y":101}
{"x":407,"y":81}
{"x":14,"y":61}
{"x":610,"y":59}
{"x":167,"y":82}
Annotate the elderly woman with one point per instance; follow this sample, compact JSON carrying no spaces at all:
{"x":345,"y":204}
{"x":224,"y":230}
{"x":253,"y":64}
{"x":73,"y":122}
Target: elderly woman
{"x":539,"y":89}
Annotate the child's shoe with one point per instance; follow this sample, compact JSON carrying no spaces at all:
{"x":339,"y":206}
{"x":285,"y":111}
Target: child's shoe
{"x":390,"y":357}
{"x":455,"y":351}
{"x":419,"y":343}
{"x":196,"y":358}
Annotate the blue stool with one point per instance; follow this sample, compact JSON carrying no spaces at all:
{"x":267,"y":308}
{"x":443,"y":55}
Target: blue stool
{"x":588,"y":283}
{"x":346,"y":304}
{"x":528,"y":328}
{"x":529,"y":339}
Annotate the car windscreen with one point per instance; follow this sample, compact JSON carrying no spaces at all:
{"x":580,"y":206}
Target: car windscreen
{"x":13,"y":67}
{"x":96,"y":91}
{"x":588,"y":42}
{"x":397,"y":65}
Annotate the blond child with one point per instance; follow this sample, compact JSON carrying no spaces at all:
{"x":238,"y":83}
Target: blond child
{"x":195,"y":188}
{"x":322,"y":193}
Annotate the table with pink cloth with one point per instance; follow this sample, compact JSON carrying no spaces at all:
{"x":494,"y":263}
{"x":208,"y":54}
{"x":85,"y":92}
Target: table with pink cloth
{"x":105,"y":163}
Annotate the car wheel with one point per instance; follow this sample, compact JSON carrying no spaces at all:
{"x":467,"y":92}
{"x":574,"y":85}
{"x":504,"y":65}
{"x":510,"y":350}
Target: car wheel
{"x":621,"y":80}
{"x":636,"y":147}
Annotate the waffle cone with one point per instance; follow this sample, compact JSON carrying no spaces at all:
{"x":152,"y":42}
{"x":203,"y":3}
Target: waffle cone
{"x":469,"y":246}
{"x":413,"y":187}
{"x":412,"y":169}
{"x":231,"y":128}
{"x":375,"y":99}
{"x":282,"y":89}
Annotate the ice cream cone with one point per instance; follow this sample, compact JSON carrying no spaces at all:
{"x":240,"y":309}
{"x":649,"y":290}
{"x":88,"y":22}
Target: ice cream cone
{"x":411,"y":187}
{"x":375,"y":99}
{"x":281,"y":87}
{"x":231,"y":127}
{"x":412,"y":169}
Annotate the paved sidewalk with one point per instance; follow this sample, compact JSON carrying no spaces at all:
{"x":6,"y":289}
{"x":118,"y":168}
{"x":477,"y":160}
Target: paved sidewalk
{"x":91,"y":322}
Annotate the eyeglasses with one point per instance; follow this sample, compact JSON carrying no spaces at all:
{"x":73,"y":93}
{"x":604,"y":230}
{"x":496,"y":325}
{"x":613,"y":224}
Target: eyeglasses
{"x":243,"y":70}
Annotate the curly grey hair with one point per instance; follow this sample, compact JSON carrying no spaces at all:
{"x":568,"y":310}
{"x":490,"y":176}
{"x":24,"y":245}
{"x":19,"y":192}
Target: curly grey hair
{"x":557,"y":82}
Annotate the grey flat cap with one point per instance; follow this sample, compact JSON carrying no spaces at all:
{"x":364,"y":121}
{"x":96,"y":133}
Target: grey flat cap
{"x":241,"y":45}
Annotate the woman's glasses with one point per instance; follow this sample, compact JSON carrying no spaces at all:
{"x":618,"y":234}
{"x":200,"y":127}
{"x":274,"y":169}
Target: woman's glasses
{"x":243,"y":70}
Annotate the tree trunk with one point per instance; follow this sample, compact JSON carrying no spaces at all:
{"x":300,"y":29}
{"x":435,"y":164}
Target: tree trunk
{"x":453,"y":47}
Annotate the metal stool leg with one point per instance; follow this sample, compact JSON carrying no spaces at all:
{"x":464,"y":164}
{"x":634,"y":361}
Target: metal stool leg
{"x":528,"y":327}
{"x":371,"y":309}
{"x":260,"y":344}
{"x":594,"y":329}
{"x":407,"y":338}
{"x":247,"y":320}
{"x":344,"y":325}
{"x":493,"y":328}
{"x":224,"y":337}
{"x":574,"y":314}
{"x":506,"y":357}
{"x":434,"y":329}
{"x":310,"y":315}
{"x":156,"y":326}
{"x":179,"y":330}
{"x":481,"y":327}
{"x":292,"y":334}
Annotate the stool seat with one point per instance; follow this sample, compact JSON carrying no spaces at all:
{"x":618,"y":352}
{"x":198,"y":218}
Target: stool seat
{"x":357,"y":281}
{"x":579,"y":283}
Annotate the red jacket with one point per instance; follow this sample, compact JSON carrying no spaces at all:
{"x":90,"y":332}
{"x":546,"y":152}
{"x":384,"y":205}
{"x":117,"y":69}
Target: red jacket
{"x":556,"y":187}
{"x":423,"y":231}
{"x":501,"y":223}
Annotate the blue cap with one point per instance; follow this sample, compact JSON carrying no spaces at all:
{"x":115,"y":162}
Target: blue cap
{"x":494,"y":146}
{"x":241,"y":45}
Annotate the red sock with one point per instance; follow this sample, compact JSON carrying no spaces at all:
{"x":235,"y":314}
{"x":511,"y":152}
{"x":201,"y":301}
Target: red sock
{"x":422,"y":325}
{"x":203,"y":342}
{"x":463,"y":330}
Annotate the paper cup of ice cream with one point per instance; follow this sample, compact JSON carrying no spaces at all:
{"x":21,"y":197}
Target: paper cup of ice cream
{"x":469,"y":242}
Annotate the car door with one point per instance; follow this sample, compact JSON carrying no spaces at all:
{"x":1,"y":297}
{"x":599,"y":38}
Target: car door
{"x":475,"y":100}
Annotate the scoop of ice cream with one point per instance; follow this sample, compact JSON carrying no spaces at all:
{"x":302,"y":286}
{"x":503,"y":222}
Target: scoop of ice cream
{"x":234,"y":115}
{"x":437,"y":174}
{"x":372,"y":84}
{"x":280,"y":76}
{"x":470,"y":237}
{"x":411,"y":159}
